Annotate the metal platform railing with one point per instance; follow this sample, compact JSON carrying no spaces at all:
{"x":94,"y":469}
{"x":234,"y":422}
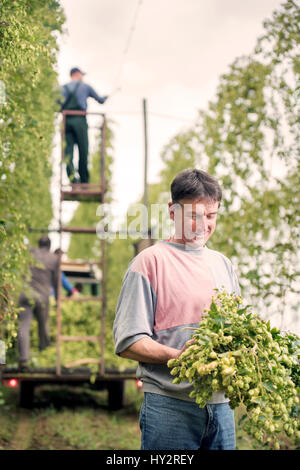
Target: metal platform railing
{"x":83,"y":193}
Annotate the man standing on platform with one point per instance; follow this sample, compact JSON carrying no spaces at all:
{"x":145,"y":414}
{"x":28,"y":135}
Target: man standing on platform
{"x":75,"y":94}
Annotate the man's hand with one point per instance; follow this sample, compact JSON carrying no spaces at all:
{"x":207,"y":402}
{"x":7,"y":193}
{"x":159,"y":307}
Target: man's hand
{"x":75,"y":293}
{"x":187,"y":344}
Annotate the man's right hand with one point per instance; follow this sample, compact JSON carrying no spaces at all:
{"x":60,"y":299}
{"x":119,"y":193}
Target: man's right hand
{"x":187,"y":345}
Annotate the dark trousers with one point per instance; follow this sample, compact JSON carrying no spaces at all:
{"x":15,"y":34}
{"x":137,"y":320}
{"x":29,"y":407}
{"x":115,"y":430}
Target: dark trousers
{"x":77,"y":133}
{"x":40,"y":309}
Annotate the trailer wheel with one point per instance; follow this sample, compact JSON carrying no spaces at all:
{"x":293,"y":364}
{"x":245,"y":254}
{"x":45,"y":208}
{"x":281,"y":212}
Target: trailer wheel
{"x":116,"y":394}
{"x":26,"y":394}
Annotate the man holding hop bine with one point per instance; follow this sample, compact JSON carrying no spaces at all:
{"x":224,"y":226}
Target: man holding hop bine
{"x":166,"y":288}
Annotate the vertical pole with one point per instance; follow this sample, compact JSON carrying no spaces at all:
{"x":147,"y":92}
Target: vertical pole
{"x":102,"y":156}
{"x":58,"y":303}
{"x":58,"y":300}
{"x":103,"y":250}
{"x":145,"y":153}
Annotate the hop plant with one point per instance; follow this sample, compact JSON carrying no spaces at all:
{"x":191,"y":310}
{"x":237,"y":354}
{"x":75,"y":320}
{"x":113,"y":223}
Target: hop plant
{"x":233,"y":350}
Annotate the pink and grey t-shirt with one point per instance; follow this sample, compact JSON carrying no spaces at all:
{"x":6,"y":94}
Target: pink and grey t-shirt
{"x":166,"y":288}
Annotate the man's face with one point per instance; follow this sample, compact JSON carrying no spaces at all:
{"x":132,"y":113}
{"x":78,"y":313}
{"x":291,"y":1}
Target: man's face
{"x":195,"y":221}
{"x":77,"y":76}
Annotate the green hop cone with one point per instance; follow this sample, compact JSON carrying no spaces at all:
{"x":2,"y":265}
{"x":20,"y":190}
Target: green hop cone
{"x":177,"y":380}
{"x":175,"y":371}
{"x":172,"y":362}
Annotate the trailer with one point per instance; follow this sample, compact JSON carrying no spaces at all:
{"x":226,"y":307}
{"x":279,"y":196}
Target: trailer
{"x":26,"y":381}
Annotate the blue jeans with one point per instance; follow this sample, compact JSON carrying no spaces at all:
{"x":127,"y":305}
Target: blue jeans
{"x":170,"y":424}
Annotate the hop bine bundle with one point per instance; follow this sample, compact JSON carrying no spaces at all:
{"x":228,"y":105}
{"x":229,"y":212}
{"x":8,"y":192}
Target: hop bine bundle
{"x":233,"y":350}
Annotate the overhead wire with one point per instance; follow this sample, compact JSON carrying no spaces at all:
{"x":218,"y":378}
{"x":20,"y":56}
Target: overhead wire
{"x":169,"y":116}
{"x":117,"y":82}
{"x":150,"y":113}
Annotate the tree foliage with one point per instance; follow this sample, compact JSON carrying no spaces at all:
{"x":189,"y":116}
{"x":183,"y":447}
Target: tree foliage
{"x":248,"y":137}
{"x":28,"y":44}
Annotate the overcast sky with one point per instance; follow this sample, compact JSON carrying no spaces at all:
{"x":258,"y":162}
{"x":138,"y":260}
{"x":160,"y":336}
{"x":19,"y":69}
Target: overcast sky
{"x":178,"y":50}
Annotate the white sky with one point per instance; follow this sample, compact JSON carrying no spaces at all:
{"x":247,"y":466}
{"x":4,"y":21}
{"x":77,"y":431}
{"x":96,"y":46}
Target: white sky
{"x":178,"y":50}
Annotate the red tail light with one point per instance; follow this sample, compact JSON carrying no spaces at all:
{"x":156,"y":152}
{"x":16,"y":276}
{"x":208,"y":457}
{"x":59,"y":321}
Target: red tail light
{"x":13,"y":383}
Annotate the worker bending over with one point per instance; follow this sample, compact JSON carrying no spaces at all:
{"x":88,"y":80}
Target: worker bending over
{"x":35,"y":302}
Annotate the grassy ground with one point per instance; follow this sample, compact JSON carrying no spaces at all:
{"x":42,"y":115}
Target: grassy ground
{"x":65,"y":418}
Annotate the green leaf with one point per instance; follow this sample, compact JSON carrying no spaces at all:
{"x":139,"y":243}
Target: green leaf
{"x":259,"y":401}
{"x":262,"y":418}
{"x":213,"y":307}
{"x":269,"y":386}
{"x":243,"y":310}
{"x":220,"y":321}
{"x":202,"y":339}
{"x":243,"y":371}
{"x":275,"y":331}
{"x":242,"y":419}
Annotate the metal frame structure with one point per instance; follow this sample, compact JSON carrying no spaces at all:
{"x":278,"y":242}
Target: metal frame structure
{"x":87,"y":193}
{"x":73,"y":373}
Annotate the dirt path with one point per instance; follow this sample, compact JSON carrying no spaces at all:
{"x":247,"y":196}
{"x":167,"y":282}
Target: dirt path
{"x":25,"y":430}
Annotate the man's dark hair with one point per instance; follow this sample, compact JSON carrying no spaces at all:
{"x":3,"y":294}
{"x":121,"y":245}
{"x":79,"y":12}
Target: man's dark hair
{"x":195,"y":184}
{"x":44,"y":242}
